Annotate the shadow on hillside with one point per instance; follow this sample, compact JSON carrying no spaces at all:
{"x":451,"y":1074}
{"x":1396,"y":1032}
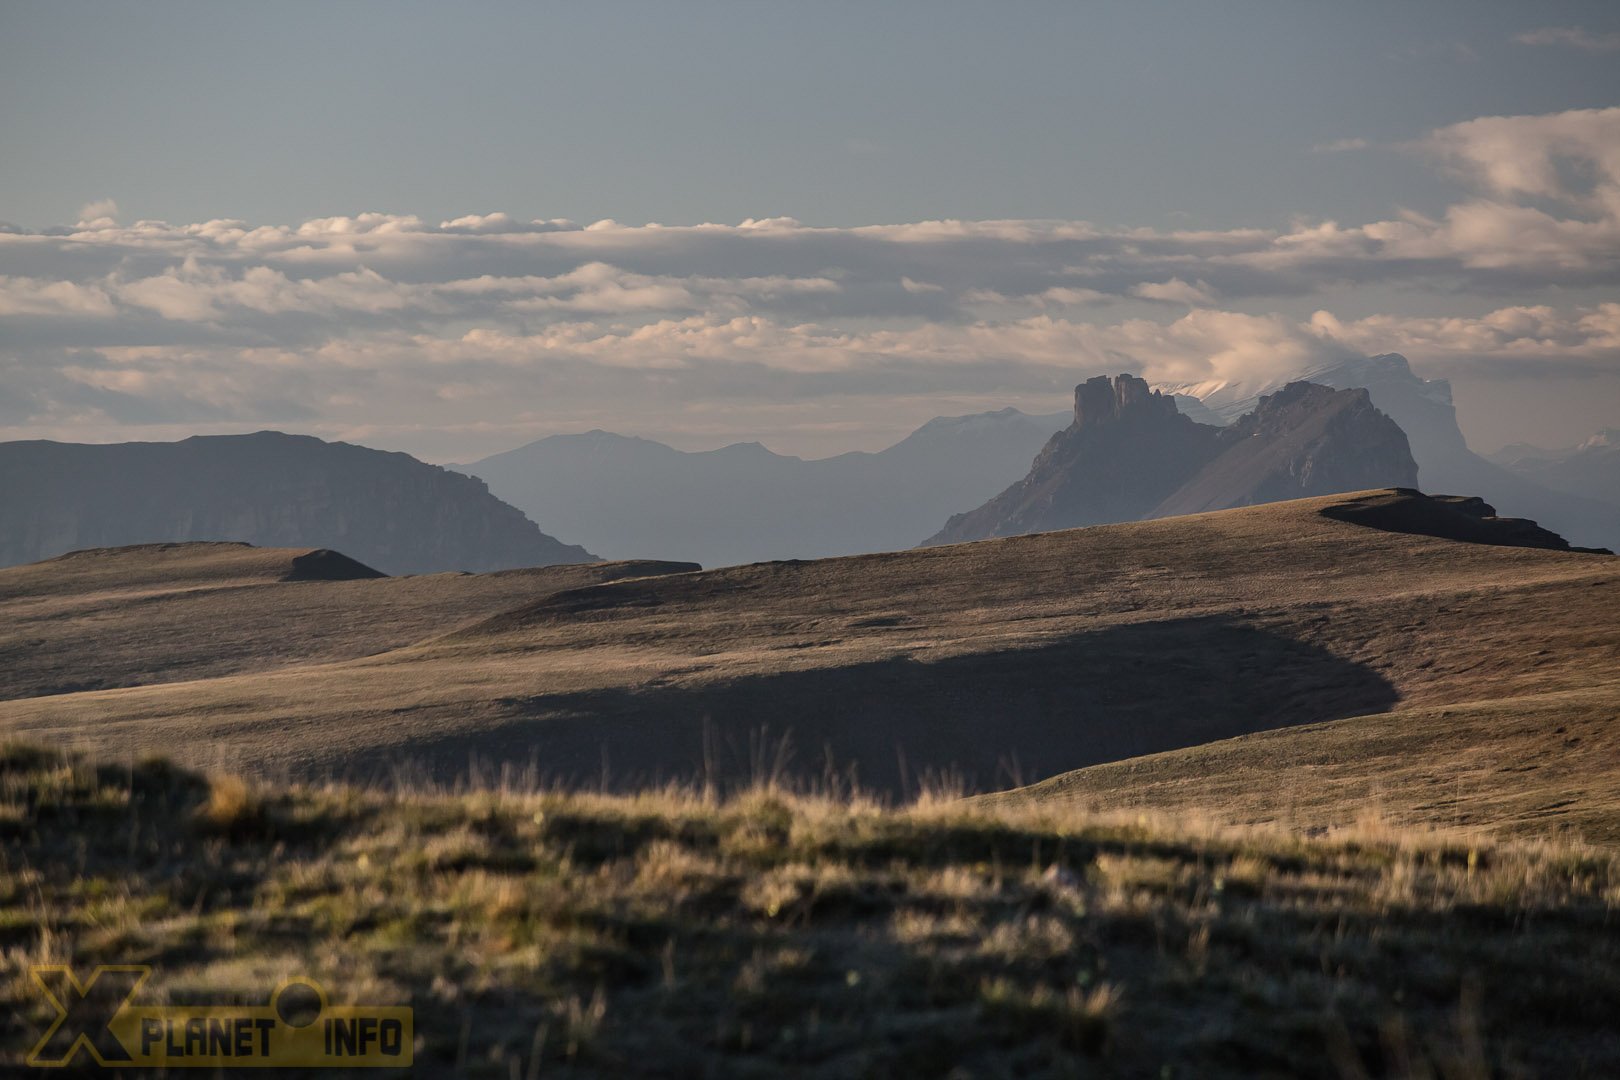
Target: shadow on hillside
{"x":992,"y":720}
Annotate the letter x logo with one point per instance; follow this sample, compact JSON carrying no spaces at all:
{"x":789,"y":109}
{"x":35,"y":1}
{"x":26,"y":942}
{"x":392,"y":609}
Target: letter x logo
{"x":84,"y":1011}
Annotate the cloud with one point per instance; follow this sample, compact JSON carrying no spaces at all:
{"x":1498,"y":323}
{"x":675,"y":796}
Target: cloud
{"x":490,"y":322}
{"x":102,"y":212}
{"x":1519,"y":339}
{"x":1571,"y":37}
{"x":1571,"y":157}
{"x":1340,"y":146}
{"x":1176,"y":291}
{"x":35,"y":296}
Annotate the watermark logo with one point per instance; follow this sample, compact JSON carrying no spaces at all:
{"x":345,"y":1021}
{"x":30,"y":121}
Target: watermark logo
{"x":298,"y":1028}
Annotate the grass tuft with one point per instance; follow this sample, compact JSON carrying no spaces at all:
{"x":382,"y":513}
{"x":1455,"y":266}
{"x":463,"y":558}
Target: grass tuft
{"x":672,"y":931}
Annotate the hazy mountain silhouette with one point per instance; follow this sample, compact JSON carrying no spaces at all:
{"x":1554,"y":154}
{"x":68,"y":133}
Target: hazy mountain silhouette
{"x":626,"y":497}
{"x":1130,"y":454}
{"x":1591,"y":469}
{"x":1574,"y":506}
{"x":388,"y":510}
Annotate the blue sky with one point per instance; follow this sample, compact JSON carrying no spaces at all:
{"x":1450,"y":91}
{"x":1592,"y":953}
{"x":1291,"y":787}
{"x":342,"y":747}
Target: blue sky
{"x":1205,"y":146}
{"x":836,"y":114}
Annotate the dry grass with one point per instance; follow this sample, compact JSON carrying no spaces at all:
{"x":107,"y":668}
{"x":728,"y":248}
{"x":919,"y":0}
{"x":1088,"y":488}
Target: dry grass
{"x":1002,"y":662}
{"x":673,"y":932}
{"x":1532,"y":766}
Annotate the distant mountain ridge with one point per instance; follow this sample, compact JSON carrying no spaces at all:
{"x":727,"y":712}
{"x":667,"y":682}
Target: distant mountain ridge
{"x":1591,"y":469}
{"x":628,"y":497}
{"x":386,"y":510}
{"x":1131,"y":455}
{"x":1579,"y":505}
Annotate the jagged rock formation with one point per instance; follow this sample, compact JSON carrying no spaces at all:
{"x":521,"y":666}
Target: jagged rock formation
{"x":1577,"y":502}
{"x":387,"y":510}
{"x":1303,"y":440}
{"x":1131,"y":455}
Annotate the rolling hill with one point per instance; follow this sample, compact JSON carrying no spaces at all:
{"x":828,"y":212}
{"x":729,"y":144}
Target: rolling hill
{"x":153,"y":613}
{"x":1005,"y":661}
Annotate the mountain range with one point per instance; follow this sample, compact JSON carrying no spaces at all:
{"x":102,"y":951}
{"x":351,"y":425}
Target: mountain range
{"x":623,"y":497}
{"x":1591,"y":469}
{"x":388,"y":510}
{"x":633,"y":498}
{"x":1131,"y":455}
{"x":1584,"y":514}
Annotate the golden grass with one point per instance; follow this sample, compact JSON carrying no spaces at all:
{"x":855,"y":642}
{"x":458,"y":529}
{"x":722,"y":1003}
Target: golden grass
{"x":999,"y":663}
{"x":670,"y":931}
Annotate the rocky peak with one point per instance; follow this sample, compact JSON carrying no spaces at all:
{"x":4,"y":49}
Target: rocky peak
{"x":1102,"y":400}
{"x":1293,"y":401}
{"x":1130,"y":454}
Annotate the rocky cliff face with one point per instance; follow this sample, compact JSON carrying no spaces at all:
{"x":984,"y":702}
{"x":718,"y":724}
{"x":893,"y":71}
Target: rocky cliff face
{"x":1304,"y":440}
{"x":388,"y":510}
{"x":1126,"y":450}
{"x":1130,"y":455}
{"x":1582,"y":506}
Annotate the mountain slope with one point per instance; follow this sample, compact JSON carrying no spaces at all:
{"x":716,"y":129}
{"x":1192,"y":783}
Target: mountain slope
{"x":387,"y":510}
{"x":631,"y":498}
{"x":1130,"y":454}
{"x":1303,"y":440}
{"x":1004,"y":661}
{"x":1423,"y":409}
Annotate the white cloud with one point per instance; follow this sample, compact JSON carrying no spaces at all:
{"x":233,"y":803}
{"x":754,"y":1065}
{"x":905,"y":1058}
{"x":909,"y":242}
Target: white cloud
{"x":1540,"y":156}
{"x":100,"y":212}
{"x":1536,"y":336}
{"x":1176,"y":291}
{"x":36,"y":296}
{"x":489,"y":319}
{"x":1571,"y":37}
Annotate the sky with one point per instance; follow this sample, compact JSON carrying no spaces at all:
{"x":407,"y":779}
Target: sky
{"x":452,"y":229}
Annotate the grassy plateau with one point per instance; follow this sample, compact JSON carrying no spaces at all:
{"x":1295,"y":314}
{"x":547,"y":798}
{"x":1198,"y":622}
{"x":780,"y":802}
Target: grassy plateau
{"x":1263,"y":792}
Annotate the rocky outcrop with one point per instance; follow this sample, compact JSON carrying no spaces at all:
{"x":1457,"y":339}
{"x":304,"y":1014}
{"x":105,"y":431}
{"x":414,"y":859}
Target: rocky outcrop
{"x":1126,"y":450}
{"x":386,"y":510}
{"x":1130,"y":454}
{"x":1451,"y":517}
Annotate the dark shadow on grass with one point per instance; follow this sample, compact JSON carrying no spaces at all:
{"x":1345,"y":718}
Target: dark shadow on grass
{"x":990,"y":720}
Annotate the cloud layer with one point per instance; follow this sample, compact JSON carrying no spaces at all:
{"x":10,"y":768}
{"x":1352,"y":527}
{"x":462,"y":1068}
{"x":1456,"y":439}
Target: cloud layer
{"x":381,"y":322}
